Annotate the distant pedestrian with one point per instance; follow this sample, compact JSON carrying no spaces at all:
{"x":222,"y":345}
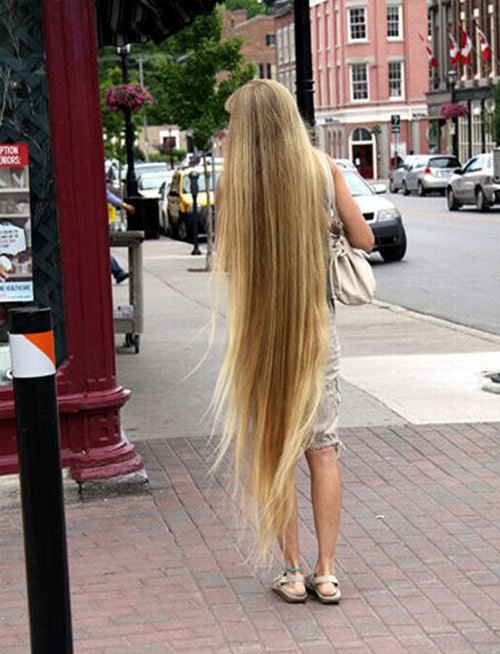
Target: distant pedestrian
{"x":279,"y":383}
{"x":116,"y":270}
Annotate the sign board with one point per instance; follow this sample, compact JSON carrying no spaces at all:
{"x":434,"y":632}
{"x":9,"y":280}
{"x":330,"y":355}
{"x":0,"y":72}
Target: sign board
{"x":395,"y":123}
{"x":16,"y":262}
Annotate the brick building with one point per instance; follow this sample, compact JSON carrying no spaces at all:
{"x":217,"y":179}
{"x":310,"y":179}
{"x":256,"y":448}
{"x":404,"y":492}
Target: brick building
{"x":474,"y":80}
{"x":258,"y":39}
{"x":362,"y":53}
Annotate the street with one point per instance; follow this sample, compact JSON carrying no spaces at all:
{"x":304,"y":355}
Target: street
{"x":452,"y":266}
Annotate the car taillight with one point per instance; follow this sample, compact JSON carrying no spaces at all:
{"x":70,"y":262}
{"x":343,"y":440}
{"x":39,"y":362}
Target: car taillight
{"x":427,"y":171}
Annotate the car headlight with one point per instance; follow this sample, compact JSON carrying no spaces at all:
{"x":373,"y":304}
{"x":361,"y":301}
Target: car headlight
{"x":388,"y":214}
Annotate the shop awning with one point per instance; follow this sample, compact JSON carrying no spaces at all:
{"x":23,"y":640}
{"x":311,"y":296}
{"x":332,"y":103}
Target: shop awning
{"x":132,"y":21}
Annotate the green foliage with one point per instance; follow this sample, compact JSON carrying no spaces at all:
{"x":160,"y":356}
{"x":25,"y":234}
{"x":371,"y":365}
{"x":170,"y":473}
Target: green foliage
{"x":496,"y":114}
{"x":253,"y":7}
{"x":197,"y":77}
{"x":177,"y":154}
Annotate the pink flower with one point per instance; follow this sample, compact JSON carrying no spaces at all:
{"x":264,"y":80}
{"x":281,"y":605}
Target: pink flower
{"x":453,"y":110}
{"x":128,"y":96}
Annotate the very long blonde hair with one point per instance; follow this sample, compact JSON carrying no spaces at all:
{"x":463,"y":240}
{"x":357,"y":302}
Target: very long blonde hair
{"x":270,"y":241}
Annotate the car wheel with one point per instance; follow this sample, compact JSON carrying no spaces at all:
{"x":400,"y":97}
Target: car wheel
{"x":453,"y":204}
{"x":482,"y":203}
{"x":394,"y":252}
{"x":421,"y":190}
{"x":405,"y":189}
{"x":392,"y":187}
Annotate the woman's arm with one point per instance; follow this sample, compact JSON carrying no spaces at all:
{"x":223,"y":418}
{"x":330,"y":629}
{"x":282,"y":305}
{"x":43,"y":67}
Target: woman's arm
{"x":358,"y":232}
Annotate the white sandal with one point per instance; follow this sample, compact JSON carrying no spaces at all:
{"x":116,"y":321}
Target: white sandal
{"x":279,"y":587}
{"x":312,"y":582}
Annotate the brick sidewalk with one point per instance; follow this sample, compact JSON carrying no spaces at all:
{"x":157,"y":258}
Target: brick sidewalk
{"x":418,"y":558}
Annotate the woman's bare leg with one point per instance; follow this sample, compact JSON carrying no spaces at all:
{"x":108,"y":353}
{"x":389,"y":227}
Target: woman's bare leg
{"x":289,"y":545}
{"x":326,"y":496}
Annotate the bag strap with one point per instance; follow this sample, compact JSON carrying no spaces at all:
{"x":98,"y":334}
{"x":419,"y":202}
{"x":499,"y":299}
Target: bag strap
{"x":330,"y":193}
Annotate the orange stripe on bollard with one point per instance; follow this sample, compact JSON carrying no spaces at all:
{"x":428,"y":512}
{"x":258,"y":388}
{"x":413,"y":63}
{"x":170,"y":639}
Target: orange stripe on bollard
{"x":44,"y":341}
{"x":32,"y":355}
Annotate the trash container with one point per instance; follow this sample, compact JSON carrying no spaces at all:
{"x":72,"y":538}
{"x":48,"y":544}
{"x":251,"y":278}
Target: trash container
{"x":145,"y":217}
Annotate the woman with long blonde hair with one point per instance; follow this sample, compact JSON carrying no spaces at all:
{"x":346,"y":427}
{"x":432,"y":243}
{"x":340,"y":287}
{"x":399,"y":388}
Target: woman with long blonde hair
{"x":278,"y":384}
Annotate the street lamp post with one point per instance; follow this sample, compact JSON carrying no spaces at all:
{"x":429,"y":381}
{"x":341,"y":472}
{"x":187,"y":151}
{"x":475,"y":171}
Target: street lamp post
{"x":452,"y":83}
{"x":303,"y":58}
{"x":132,"y":190}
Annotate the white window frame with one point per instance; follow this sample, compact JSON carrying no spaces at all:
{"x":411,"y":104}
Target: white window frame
{"x":329,"y":35}
{"x":279,"y":44}
{"x":319,"y":27}
{"x":291,"y":40}
{"x":286,"y":51}
{"x":351,"y":82}
{"x":350,"y":38}
{"x":399,"y":7}
{"x":402,"y":79}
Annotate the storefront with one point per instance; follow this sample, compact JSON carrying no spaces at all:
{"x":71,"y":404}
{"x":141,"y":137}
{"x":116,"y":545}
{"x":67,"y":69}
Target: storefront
{"x":53,"y":220}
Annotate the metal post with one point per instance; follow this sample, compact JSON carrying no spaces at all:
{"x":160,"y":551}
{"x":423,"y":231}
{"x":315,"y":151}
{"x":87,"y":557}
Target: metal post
{"x":193,"y":178}
{"x":34,"y":381}
{"x":303,"y":57}
{"x":132,"y":189}
{"x":144,"y":117}
{"x":452,"y":82}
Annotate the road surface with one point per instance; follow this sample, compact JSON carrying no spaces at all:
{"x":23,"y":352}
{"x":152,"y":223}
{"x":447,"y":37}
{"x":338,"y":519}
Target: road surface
{"x":452,"y":266}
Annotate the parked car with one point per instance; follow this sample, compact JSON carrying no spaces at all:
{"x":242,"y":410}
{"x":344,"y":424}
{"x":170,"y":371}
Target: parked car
{"x":430,"y":173}
{"x":145,"y":167}
{"x":149,"y":184}
{"x":381,"y":214}
{"x":345,"y":164}
{"x":474,"y":184}
{"x":180,"y":202}
{"x":398,"y":173}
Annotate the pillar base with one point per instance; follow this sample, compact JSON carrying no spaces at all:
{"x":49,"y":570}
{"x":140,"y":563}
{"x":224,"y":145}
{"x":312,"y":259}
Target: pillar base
{"x":106,"y":463}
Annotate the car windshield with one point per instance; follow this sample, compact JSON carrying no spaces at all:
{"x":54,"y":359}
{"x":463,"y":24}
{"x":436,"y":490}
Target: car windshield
{"x":444,"y":162}
{"x":186,"y":182}
{"x":149,"y":182}
{"x":357,"y":184}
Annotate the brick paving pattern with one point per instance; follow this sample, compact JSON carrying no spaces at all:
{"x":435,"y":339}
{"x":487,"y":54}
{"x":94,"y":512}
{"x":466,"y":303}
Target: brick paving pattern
{"x":418,"y":558}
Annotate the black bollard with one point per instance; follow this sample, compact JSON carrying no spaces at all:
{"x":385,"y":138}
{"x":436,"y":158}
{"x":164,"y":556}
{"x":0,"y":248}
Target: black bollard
{"x":193,"y":179}
{"x":34,"y":381}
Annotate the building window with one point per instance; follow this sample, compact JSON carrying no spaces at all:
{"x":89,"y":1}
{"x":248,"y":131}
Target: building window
{"x":394,"y":21}
{"x":286,"y":52}
{"x":359,"y":82}
{"x":262,"y":71}
{"x":395,"y":79}
{"x":269,"y":71}
{"x":319,"y":36}
{"x":280,"y":46}
{"x":357,"y":24}
{"x":270,"y":40}
{"x":292,"y":42}
{"x":281,"y":78}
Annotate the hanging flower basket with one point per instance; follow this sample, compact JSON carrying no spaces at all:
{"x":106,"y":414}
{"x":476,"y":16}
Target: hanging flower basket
{"x":128,"y":96}
{"x":453,"y":110}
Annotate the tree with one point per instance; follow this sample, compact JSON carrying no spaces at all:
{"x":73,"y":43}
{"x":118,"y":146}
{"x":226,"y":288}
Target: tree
{"x":252,"y":7}
{"x":198,"y":75}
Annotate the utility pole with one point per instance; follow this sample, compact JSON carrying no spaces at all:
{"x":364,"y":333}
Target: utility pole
{"x":144,"y":118}
{"x":303,"y":57}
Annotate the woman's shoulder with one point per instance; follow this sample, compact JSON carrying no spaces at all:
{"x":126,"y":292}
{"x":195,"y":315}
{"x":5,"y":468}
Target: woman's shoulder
{"x":331,"y":163}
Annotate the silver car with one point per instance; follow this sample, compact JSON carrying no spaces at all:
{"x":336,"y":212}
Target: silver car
{"x":430,"y":173}
{"x":474,"y":184}
{"x":398,"y":173}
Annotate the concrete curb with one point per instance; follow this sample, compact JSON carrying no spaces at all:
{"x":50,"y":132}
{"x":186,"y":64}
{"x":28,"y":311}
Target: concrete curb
{"x":440,"y":322}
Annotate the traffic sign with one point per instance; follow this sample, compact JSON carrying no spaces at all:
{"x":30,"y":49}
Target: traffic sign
{"x":395,"y":123}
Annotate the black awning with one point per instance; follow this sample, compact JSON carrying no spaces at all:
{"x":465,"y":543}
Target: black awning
{"x":132,"y":21}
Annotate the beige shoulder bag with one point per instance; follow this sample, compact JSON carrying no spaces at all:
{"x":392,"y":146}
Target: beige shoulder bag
{"x":350,"y":275}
